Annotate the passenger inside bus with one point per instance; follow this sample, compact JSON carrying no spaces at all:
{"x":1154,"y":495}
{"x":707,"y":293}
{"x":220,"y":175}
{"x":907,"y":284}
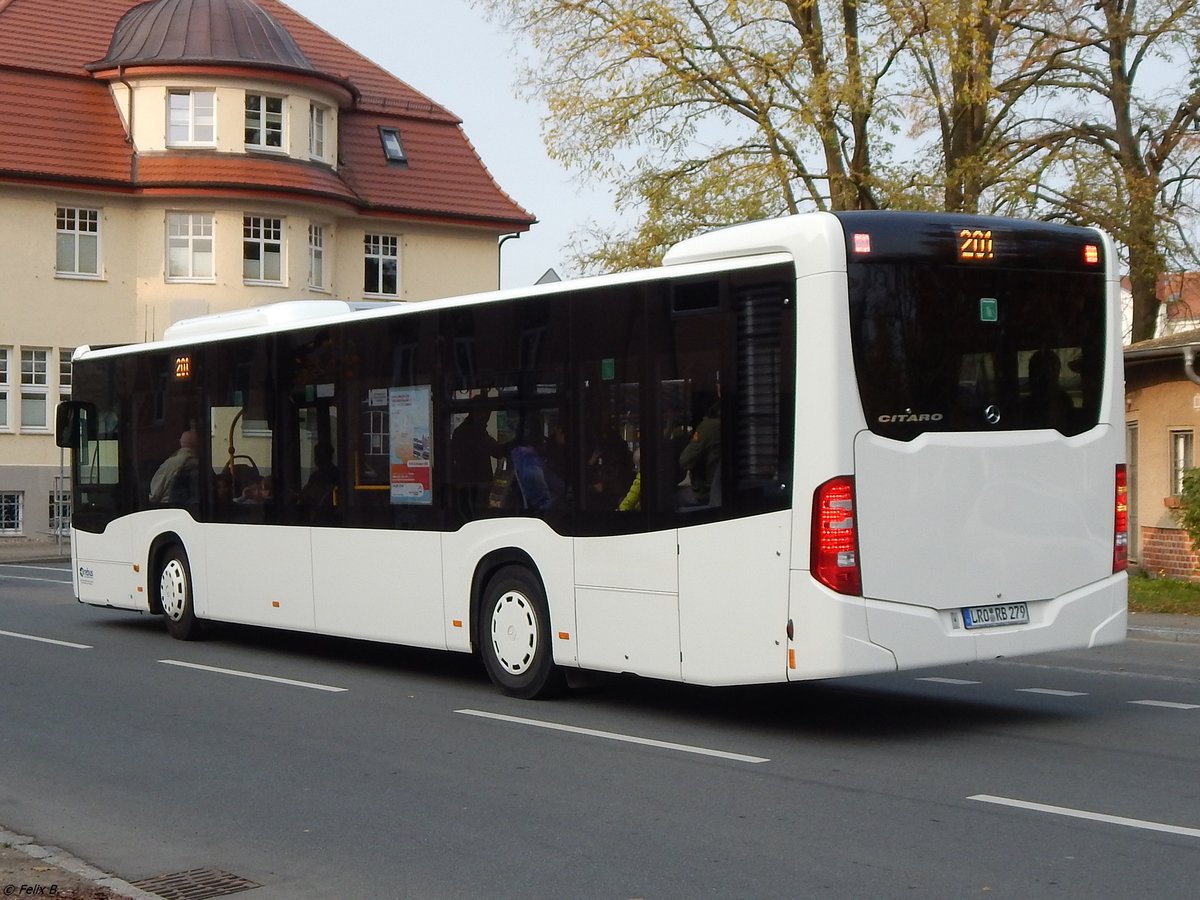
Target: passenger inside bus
{"x":701,"y":459}
{"x":609,"y":469}
{"x":472,"y":449}
{"x":632,"y":501}
{"x":174,"y":480}
{"x":320,"y":491}
{"x":1048,"y":401}
{"x":542,"y":487}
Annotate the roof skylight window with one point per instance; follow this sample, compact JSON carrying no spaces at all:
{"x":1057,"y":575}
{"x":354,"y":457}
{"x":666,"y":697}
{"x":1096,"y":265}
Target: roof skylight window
{"x":392,"y":148}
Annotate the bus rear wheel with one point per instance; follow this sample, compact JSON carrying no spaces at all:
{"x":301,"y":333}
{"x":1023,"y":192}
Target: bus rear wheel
{"x":515,"y":636}
{"x":175,"y":595}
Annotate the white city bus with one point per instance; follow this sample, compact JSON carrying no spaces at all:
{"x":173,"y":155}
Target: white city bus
{"x":816,"y":446}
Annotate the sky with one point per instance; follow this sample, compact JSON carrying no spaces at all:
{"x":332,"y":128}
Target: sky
{"x":452,"y":54}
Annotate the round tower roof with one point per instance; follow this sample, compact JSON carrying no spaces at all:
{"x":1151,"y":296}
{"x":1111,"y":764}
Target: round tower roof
{"x":205,"y":32}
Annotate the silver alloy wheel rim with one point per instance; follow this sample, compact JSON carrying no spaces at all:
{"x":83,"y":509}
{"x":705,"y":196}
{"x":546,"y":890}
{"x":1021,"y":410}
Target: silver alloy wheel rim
{"x":172,"y":590}
{"x":514,"y":632}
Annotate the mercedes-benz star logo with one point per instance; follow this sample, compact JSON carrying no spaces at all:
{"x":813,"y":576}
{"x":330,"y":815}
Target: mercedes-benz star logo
{"x":992,"y":414}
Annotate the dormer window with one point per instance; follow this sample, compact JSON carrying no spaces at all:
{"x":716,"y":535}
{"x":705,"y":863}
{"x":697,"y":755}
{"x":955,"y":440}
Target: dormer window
{"x":392,"y":148}
{"x":191,"y":118}
{"x":264,"y":122}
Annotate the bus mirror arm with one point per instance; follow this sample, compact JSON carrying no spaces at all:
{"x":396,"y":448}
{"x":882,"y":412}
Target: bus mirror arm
{"x":1189,"y":364}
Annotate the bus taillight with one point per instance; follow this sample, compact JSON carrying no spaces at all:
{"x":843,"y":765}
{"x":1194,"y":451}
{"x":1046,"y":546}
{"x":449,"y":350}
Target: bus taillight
{"x":834,"y":556}
{"x":1121,"y":521}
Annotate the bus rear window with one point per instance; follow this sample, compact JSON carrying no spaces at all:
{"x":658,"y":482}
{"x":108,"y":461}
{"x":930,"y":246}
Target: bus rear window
{"x":944,"y":348}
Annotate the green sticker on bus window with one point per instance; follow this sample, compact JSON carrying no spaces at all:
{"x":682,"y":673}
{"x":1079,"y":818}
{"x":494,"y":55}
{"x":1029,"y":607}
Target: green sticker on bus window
{"x":608,"y":369}
{"x":989,"y":309}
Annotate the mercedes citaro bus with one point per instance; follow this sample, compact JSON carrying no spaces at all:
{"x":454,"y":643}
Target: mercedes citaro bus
{"x":814,"y":446}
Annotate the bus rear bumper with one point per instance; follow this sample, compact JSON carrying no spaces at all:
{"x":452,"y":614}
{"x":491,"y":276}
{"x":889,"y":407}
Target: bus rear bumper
{"x":1091,"y":616}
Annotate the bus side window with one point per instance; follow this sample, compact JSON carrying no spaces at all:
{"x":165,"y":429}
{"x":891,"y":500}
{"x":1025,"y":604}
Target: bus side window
{"x":692,"y":403}
{"x":320,"y":477}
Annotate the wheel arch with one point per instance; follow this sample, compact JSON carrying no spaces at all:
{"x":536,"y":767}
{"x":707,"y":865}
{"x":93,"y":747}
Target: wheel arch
{"x":485,"y":570}
{"x":154,"y":556}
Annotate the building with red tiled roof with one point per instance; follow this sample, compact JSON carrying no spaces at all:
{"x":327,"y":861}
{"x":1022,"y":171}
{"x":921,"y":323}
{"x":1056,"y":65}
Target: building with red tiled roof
{"x":172,"y":158}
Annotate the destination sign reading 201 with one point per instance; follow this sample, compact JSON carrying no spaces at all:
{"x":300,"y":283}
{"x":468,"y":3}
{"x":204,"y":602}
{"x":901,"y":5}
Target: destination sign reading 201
{"x":974,"y":244}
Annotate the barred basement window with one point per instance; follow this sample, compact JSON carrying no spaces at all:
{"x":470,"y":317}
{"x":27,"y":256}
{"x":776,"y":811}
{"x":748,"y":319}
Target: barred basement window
{"x":12,"y":507}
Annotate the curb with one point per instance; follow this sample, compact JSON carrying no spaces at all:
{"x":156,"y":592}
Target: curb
{"x":1174,"y":635}
{"x":46,"y":861}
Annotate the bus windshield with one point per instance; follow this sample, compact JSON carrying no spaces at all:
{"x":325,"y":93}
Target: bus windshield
{"x":946,"y":348}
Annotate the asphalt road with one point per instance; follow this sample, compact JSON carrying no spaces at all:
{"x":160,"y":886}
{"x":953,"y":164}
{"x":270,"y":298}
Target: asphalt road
{"x":328,"y":768}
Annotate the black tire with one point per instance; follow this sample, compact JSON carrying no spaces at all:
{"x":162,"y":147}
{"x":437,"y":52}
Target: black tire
{"x":174,"y":587}
{"x":514,"y":636}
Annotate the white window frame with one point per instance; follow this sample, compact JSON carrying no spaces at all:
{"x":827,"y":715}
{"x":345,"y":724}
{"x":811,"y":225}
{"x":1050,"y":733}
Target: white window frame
{"x":317,"y":116}
{"x":192,"y":123}
{"x":76,"y":227}
{"x":64,"y":372}
{"x":264,"y":127}
{"x":5,"y":388}
{"x":263,"y":234}
{"x":382,"y":249}
{"x":12,"y":512}
{"x":35,"y":389}
{"x":317,"y":279}
{"x":193,"y":233}
{"x":1182,"y":457}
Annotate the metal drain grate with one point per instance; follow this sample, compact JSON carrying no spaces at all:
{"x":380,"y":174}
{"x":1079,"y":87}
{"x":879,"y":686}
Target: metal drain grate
{"x":196,"y":884}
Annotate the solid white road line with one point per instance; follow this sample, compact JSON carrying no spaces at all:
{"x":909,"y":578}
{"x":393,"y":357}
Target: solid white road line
{"x":42,"y":640}
{"x":256,"y":677}
{"x":1050,"y":692}
{"x":1091,"y":816}
{"x":611,"y":736}
{"x":935,"y":680}
{"x":1165,"y":704}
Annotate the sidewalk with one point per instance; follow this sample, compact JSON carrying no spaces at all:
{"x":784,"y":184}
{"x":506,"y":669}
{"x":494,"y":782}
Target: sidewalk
{"x":1153,"y":627}
{"x":31,"y":870}
{"x":23,"y":550}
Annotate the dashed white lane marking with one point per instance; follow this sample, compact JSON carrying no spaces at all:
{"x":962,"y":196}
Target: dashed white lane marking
{"x":1050,"y":692}
{"x":612,"y":736}
{"x":1091,"y":816}
{"x":1165,"y":704}
{"x":45,"y":640}
{"x":936,"y":680}
{"x":255,"y":676}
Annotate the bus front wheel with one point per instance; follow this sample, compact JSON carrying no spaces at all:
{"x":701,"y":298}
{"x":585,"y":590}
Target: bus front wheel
{"x":515,"y":636}
{"x":175,"y":595}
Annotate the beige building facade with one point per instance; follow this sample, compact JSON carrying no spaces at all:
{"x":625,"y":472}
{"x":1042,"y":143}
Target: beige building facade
{"x":211,"y":180}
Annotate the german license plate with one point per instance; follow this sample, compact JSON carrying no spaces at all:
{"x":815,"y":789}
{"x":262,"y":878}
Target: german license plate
{"x":998,"y":614}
